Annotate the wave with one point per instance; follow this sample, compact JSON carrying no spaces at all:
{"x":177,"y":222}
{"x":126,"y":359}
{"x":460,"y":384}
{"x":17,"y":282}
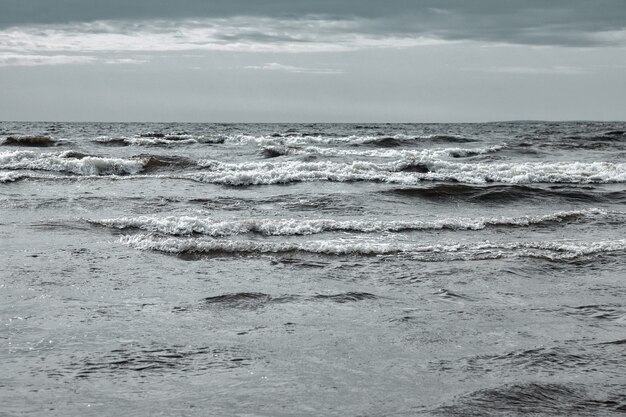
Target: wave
{"x":157,"y":140}
{"x":544,"y":358}
{"x":155,"y":163}
{"x":70,"y":162}
{"x":410,"y":171}
{"x":186,"y":226}
{"x":388,"y":141}
{"x":504,"y":193}
{"x":32,"y":141}
{"x":274,"y":151}
{"x":11,"y":176}
{"x":137,"y":360}
{"x":553,"y":251}
{"x":257,"y":300}
{"x":535,"y":399}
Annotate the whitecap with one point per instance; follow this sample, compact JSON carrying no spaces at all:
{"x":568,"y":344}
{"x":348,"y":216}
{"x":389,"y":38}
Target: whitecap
{"x":549,"y":250}
{"x":66,"y":162}
{"x":189,"y":225}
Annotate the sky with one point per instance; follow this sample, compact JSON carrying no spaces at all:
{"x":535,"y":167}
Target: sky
{"x":312,"y":61}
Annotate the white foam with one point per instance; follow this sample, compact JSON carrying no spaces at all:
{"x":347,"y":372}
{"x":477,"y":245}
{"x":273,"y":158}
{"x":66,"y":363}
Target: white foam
{"x":11,"y":176}
{"x":385,"y":153}
{"x":63,"y":162}
{"x":555,"y":250}
{"x":300,"y":140}
{"x":273,"y":172}
{"x":186,"y":225}
{"x":529,"y":172}
{"x":159,"y":141}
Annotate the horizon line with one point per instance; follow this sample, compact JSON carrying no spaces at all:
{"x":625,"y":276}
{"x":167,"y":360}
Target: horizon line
{"x":322,"y":122}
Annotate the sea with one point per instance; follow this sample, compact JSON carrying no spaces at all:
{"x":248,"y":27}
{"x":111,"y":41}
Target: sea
{"x":202,"y":269}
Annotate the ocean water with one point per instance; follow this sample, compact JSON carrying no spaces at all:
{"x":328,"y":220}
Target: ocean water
{"x":312,"y":269}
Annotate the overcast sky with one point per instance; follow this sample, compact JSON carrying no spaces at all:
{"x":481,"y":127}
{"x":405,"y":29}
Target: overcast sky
{"x":317,"y":60}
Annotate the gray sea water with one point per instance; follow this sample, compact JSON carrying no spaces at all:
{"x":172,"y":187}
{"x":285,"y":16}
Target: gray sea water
{"x":312,"y":269}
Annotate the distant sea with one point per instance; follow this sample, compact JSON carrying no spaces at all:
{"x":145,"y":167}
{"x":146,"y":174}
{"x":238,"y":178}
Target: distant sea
{"x":312,"y":269}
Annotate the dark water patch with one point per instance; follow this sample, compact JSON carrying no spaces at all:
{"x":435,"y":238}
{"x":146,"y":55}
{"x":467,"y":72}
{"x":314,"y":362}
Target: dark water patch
{"x":273,"y":152}
{"x":156,"y":163}
{"x":113,"y":142}
{"x":166,"y":360}
{"x":300,"y":263}
{"x":614,"y":342}
{"x":506,"y":193}
{"x":417,"y":167}
{"x":614,"y":135}
{"x":536,"y":399}
{"x":155,"y":135}
{"x":465,"y":153}
{"x":548,"y":360}
{"x":226,"y":203}
{"x":449,"y":139}
{"x":31,"y":141}
{"x":176,"y":138}
{"x":386,"y":142}
{"x":320,"y":203}
{"x":74,"y":155}
{"x":212,"y":140}
{"x":587,"y":145}
{"x":256,"y":300}
{"x":606,"y":312}
{"x":239,"y":300}
{"x":299,"y":202}
{"x":346,"y":297}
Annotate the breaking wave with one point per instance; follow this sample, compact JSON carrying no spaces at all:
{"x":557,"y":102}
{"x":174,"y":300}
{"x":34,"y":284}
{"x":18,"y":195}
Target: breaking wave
{"x":157,"y":140}
{"x":273,"y":151}
{"x":185,"y":226}
{"x":31,"y":141}
{"x":70,"y":162}
{"x":11,"y":176}
{"x":554,"y":251}
{"x":410,"y":171}
{"x":380,"y":141}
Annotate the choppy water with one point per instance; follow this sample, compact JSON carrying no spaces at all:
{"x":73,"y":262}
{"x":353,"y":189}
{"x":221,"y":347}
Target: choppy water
{"x":318,"y":269}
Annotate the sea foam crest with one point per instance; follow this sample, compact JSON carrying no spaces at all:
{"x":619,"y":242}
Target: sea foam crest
{"x":255,"y":173}
{"x":409,"y":171}
{"x":299,"y":140}
{"x":530,"y":172}
{"x":185,"y":225}
{"x":11,"y":176}
{"x":67,"y":162}
{"x":456,"y":152}
{"x":556,"y":250}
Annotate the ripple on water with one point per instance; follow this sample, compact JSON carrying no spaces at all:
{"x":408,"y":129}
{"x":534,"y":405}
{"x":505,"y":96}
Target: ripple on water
{"x":537,"y":399}
{"x":134,"y":359}
{"x":603,"y":313}
{"x":257,"y":300}
{"x":546,"y":360}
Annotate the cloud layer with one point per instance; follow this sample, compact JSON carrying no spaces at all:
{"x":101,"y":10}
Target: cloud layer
{"x":246,"y":24}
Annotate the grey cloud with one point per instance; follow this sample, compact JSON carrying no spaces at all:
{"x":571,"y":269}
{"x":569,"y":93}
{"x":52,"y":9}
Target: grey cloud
{"x":531,"y":22}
